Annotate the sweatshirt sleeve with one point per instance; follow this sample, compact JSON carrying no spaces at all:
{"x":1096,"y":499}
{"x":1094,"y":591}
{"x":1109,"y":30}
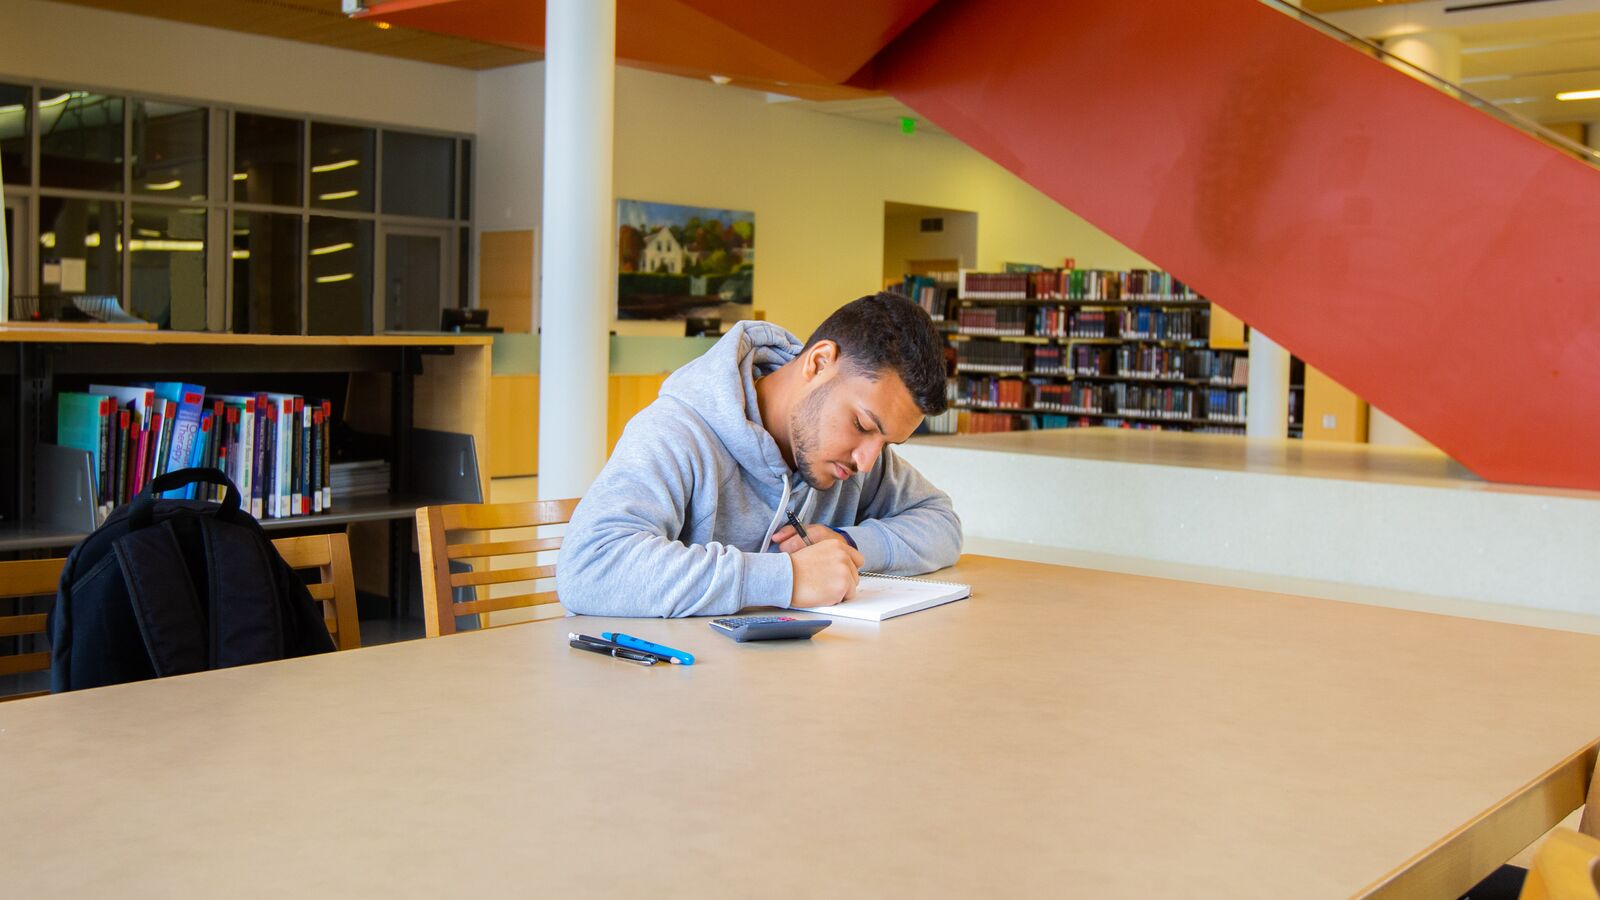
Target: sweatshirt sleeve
{"x":905,"y":525}
{"x":621,"y":555}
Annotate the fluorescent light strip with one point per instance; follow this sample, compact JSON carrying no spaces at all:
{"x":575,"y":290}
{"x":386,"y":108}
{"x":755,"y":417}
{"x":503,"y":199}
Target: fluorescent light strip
{"x":330,"y":279}
{"x":169,"y":246}
{"x":338,"y":195}
{"x":336,"y":166}
{"x":331,"y":248}
{"x":1578,"y":95}
{"x":240,"y":176}
{"x":164,"y":185}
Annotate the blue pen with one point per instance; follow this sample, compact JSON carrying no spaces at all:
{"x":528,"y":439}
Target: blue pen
{"x":678,"y":657}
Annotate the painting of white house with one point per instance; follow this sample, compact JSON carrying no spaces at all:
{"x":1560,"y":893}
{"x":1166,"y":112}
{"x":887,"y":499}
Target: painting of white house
{"x":689,"y":263}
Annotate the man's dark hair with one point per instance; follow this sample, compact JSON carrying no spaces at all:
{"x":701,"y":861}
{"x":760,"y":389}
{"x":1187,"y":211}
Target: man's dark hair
{"x":887,"y":331}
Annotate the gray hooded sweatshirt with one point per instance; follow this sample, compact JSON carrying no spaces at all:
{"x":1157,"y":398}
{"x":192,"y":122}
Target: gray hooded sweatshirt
{"x":680,"y":520}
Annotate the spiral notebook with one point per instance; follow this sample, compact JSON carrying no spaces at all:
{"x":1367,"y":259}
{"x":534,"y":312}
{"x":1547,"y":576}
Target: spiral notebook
{"x":880,"y":597}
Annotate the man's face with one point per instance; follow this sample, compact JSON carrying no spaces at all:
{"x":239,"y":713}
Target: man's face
{"x":845,"y":420}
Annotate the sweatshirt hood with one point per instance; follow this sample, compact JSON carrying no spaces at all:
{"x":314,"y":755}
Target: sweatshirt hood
{"x":720,"y":387}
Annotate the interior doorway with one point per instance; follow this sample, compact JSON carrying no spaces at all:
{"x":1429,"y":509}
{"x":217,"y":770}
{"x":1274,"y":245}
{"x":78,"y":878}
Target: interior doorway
{"x":923,"y":240}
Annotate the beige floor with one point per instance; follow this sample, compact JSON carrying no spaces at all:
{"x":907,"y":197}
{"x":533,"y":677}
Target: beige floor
{"x":1351,"y":462}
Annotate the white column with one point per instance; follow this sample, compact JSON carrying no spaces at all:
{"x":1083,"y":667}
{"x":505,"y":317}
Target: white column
{"x":576,"y":260}
{"x":1267,"y":403}
{"x":1435,"y":52}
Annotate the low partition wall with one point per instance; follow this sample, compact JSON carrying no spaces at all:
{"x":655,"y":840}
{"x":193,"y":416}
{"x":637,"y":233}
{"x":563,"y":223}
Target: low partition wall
{"x":1348,"y":515}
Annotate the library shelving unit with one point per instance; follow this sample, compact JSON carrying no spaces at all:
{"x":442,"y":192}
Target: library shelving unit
{"x":1058,"y":348}
{"x":418,"y":401}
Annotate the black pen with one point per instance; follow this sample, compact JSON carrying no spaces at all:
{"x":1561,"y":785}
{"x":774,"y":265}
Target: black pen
{"x":799,"y":529}
{"x":617,"y":651}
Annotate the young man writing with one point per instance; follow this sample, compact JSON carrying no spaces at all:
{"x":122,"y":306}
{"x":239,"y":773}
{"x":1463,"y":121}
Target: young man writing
{"x":688,"y":518}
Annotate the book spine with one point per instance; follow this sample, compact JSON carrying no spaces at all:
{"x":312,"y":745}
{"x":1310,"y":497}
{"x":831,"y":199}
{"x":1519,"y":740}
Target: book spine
{"x":327,"y":455}
{"x":316,"y":461}
{"x":120,"y":492}
{"x":305,"y":461}
{"x":270,"y":466}
{"x":258,"y":455}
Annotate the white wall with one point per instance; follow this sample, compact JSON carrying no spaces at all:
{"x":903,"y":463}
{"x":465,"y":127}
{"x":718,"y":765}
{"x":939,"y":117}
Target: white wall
{"x":817,"y":183}
{"x":77,"y":46}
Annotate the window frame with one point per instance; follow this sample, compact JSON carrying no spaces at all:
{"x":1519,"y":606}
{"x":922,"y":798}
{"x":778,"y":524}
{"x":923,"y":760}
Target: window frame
{"x":220,"y":206}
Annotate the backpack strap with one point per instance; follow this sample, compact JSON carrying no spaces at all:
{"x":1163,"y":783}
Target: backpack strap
{"x":246,"y":621}
{"x":164,"y":602}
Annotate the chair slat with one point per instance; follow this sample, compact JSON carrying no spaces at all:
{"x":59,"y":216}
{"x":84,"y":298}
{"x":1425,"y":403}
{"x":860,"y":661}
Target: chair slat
{"x":502,"y":576}
{"x":502,"y":548}
{"x":312,"y":551}
{"x":10,"y":626}
{"x":333,"y":626}
{"x":30,"y":577}
{"x":320,"y":591}
{"x":24,"y":662}
{"x":500,"y":604}
{"x":484,"y":516}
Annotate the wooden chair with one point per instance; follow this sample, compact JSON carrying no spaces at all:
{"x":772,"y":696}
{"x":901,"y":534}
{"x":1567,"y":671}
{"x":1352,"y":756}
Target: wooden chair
{"x":435,"y":525}
{"x":19,"y":579}
{"x":335,"y":588}
{"x":1567,"y":867}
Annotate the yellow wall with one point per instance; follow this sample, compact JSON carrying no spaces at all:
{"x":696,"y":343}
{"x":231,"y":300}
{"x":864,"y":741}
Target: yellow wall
{"x":1333,"y":413}
{"x":816,"y":182}
{"x":514,"y":418}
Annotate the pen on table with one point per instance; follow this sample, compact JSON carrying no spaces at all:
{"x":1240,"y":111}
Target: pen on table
{"x":798,"y":528}
{"x":667,"y":654}
{"x":608,"y":648}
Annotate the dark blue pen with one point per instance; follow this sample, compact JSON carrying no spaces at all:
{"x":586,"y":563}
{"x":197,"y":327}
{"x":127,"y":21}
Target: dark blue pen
{"x":798,"y":528}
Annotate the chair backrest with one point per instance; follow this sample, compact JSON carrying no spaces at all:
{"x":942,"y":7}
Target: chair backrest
{"x":459,"y":532}
{"x":19,"y":579}
{"x":1565,"y":867}
{"x":335,"y":587}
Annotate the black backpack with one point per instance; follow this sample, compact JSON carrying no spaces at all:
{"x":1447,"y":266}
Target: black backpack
{"x":167,"y":587}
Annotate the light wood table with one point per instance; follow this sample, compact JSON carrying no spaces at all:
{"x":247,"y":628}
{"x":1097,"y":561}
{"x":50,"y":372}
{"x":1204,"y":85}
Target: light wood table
{"x":1065,"y":732}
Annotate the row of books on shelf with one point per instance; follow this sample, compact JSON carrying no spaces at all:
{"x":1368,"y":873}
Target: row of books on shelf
{"x":1163,"y":402}
{"x":276,"y":448}
{"x":1069,"y":283}
{"x":1134,"y":361}
{"x":931,"y":291}
{"x":1220,"y":367}
{"x":988,"y":422}
{"x":1134,"y":323}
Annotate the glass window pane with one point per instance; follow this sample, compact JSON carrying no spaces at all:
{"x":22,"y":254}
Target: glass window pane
{"x":267,"y":155}
{"x":464,"y":191}
{"x":168,"y":252}
{"x":80,"y":246}
{"x":266,"y":273}
{"x":419,"y":175}
{"x":339,"y":261}
{"x":341,"y":166}
{"x":16,"y":121}
{"x":80,"y":140}
{"x":169,"y":150}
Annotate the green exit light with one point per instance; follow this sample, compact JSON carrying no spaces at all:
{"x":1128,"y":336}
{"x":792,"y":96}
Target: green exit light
{"x":908,"y":125}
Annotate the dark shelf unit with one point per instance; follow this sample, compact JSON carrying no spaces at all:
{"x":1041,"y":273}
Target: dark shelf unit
{"x":44,"y":504}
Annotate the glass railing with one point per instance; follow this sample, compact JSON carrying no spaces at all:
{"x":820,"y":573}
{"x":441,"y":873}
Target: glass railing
{"x":1528,"y":126}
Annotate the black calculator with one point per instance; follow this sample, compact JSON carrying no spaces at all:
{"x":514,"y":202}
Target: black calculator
{"x":768,"y":628}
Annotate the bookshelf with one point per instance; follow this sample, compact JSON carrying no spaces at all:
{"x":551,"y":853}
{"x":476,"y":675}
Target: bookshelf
{"x":1069,"y":347}
{"x":419,"y":402}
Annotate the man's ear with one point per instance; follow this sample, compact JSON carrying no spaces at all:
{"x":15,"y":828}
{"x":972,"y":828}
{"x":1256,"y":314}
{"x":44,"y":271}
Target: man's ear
{"x":822,"y":356}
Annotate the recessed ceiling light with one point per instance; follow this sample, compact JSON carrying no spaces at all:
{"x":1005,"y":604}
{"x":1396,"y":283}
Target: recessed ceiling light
{"x":1578,"y":95}
{"x":385,"y":26}
{"x":721,"y":79}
